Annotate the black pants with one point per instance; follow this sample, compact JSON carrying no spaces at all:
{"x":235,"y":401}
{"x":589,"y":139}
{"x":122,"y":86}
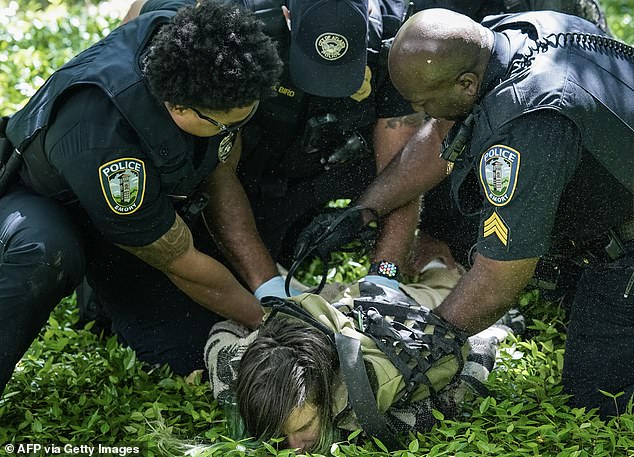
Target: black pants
{"x":42,"y":261}
{"x":600,"y":340}
{"x":44,"y":257}
{"x":148,"y":312}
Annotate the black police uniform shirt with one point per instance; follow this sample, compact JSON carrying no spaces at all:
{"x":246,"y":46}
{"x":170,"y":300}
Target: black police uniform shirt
{"x":89,"y":136}
{"x":546,"y":188}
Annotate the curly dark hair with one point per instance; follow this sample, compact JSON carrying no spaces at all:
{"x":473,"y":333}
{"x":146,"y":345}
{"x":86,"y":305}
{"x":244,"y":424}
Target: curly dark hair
{"x":213,"y":57}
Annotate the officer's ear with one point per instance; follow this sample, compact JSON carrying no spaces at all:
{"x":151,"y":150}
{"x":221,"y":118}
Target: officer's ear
{"x":177,"y":109}
{"x":469,"y":83}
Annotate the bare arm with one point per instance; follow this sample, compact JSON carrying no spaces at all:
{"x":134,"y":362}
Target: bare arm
{"x":397,"y":229}
{"x":202,"y":278}
{"x":485,"y":292}
{"x":230,"y":219}
{"x":412,"y":172}
{"x":396,"y":192}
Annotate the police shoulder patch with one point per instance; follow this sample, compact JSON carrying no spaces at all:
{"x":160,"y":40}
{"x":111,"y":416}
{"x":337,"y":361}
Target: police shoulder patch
{"x":123,"y":184}
{"x":499,"y":169}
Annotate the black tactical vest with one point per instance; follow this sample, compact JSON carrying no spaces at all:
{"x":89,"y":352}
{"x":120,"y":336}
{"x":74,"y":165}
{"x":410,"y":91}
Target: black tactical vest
{"x":112,"y":64}
{"x":309,"y":128}
{"x":587,"y":81}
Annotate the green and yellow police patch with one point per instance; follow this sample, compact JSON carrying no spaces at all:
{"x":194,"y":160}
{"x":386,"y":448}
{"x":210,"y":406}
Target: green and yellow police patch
{"x":499,"y":168}
{"x":123,"y":184}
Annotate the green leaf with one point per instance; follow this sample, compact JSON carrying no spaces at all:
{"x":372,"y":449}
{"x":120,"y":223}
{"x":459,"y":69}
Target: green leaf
{"x":380,"y":444}
{"x":484,"y":405}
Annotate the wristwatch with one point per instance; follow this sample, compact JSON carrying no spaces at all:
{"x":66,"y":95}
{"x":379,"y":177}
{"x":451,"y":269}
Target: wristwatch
{"x":384,"y":268}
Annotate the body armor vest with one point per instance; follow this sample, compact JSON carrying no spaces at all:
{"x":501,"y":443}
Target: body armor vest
{"x":583,"y":79}
{"x":312,"y":132}
{"x":112,"y":64}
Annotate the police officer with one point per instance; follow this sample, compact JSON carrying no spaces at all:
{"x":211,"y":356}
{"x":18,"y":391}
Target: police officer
{"x":111,"y":144}
{"x":446,"y":232}
{"x":335,"y":120}
{"x":543,"y":103}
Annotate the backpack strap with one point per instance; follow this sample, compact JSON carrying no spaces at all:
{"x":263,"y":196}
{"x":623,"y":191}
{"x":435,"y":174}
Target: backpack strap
{"x":415,"y":349}
{"x":360,"y":392}
{"x":280,"y":305}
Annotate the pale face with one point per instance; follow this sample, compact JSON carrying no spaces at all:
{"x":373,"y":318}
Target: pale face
{"x":190,"y":121}
{"x":302,"y":427}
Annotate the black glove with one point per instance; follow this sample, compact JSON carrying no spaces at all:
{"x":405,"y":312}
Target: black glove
{"x":328,"y":232}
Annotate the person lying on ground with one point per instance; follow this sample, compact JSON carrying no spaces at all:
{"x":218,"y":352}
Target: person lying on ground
{"x":295,"y":377}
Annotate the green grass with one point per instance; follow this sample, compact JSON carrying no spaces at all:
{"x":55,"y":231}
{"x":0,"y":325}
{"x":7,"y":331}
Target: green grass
{"x":75,"y":388}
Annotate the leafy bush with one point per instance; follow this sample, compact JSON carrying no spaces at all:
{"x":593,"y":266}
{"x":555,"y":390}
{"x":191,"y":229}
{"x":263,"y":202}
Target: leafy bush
{"x":74,"y":387}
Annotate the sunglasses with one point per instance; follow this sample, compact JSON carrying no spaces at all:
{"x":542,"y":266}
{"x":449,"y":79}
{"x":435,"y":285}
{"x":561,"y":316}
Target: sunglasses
{"x":231,"y":127}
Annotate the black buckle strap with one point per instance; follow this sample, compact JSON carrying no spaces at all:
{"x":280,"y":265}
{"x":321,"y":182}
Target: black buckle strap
{"x":360,"y":394}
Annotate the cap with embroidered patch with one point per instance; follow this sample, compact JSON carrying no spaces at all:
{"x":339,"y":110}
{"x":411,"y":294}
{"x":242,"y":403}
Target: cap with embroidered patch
{"x":328,"y":51}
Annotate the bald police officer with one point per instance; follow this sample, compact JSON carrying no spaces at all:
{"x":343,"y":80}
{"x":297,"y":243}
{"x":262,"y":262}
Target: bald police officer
{"x":543,"y":102}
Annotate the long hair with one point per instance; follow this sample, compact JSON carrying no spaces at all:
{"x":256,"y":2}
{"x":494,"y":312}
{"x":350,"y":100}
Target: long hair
{"x":288,"y":364}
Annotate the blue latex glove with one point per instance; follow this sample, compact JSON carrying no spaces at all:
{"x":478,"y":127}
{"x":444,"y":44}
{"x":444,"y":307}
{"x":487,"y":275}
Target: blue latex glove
{"x":382,"y":281}
{"x":274,"y":287}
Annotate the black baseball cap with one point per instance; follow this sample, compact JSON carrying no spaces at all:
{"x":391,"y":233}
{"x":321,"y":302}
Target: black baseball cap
{"x":328,"y":51}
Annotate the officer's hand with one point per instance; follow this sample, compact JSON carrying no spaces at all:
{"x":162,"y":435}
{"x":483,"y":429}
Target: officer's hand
{"x":382,"y":281}
{"x":274,"y":287}
{"x":330,"y":231}
{"x":425,"y":249}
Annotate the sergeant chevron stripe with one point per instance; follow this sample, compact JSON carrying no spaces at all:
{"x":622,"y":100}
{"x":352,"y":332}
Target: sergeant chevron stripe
{"x":495,"y":225}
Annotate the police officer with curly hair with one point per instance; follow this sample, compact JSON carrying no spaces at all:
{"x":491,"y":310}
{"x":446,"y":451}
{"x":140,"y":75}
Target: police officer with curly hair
{"x":336,"y":117}
{"x":110,"y":146}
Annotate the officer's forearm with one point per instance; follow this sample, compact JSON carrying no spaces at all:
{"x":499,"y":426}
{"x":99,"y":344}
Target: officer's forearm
{"x":397,"y":229}
{"x":202,"y":278}
{"x":210,"y":284}
{"x":486,"y":292}
{"x":397,"y":234}
{"x":414,"y":171}
{"x":232,"y":224}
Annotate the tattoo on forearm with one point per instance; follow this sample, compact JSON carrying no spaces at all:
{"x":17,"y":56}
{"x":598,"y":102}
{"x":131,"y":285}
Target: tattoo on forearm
{"x":171,"y":245}
{"x":411,"y":120}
